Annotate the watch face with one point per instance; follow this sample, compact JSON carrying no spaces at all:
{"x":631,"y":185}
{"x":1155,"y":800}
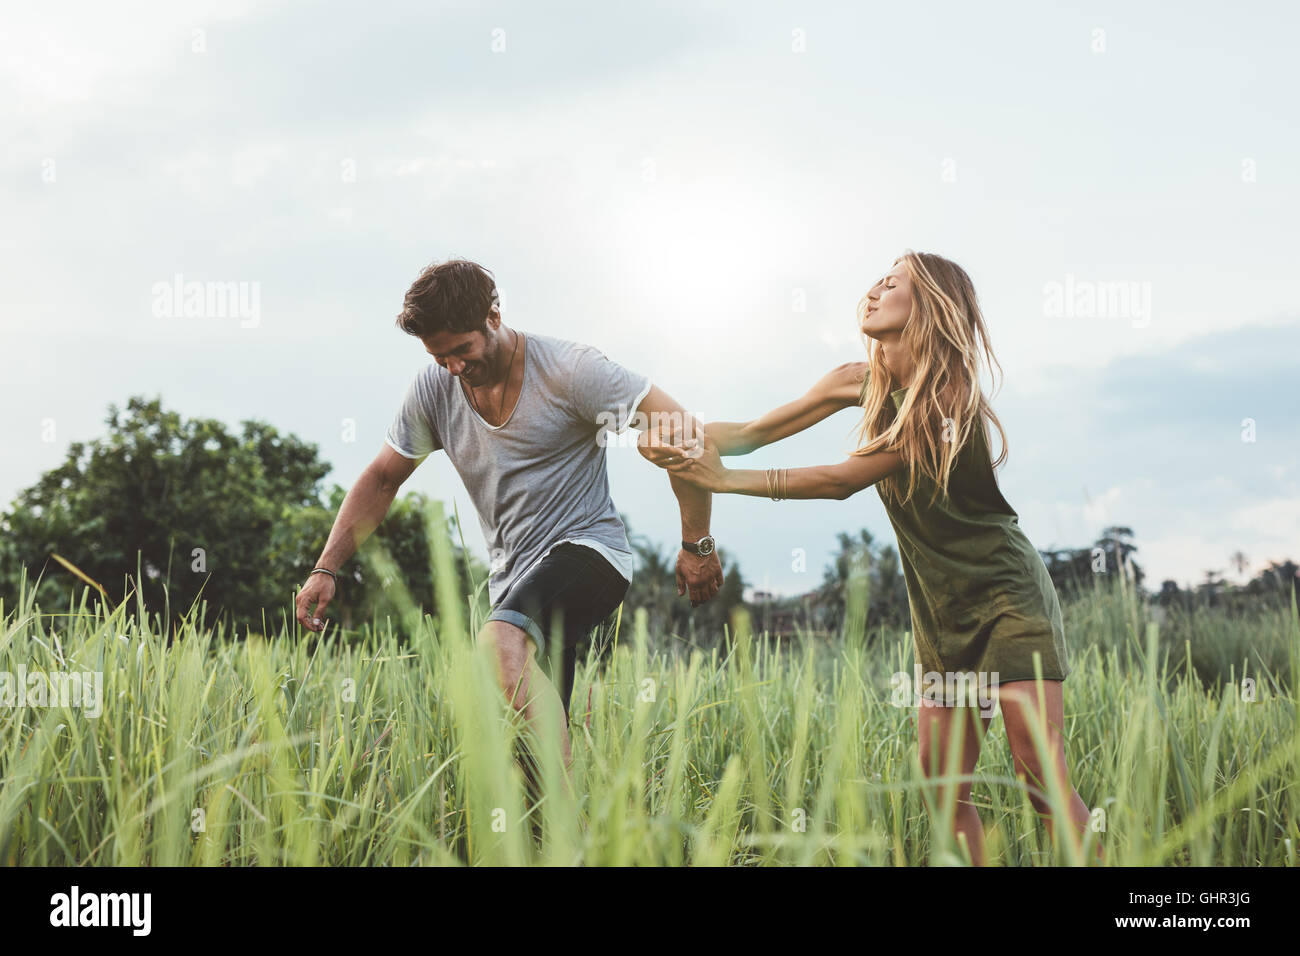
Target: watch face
{"x":706,"y":545}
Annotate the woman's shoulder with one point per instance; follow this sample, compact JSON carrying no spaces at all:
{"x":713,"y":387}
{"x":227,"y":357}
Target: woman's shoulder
{"x":851,"y":372}
{"x":845,"y":382}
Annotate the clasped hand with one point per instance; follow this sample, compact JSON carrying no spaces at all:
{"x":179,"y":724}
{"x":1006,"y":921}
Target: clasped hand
{"x":693,"y":459}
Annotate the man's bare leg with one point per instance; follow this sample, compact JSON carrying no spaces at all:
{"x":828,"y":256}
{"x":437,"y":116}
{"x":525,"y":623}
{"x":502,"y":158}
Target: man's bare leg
{"x":524,"y":682}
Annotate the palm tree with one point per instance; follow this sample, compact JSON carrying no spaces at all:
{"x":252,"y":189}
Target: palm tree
{"x":1116,"y":542}
{"x":1239,"y":561}
{"x":846,"y":580}
{"x":654,"y":584}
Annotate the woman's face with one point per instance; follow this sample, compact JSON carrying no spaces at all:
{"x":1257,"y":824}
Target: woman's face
{"x":889,"y":303}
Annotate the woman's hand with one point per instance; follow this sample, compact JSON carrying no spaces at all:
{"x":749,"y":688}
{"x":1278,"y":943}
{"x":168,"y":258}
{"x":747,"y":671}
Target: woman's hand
{"x":698,"y":462}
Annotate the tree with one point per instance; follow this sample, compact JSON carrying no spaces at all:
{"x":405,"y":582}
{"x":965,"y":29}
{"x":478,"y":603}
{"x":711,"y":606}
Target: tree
{"x":400,"y":544}
{"x":1279,"y":579}
{"x":1116,"y":543}
{"x":1211,"y":586}
{"x":181,"y":509}
{"x":1169,"y":595}
{"x":1239,"y":562}
{"x":890,"y":603}
{"x":654,"y":587}
{"x":846,"y":578}
{"x":654,"y":583}
{"x":1281,"y":576}
{"x":710,"y":622}
{"x":1069,"y":568}
{"x":1072,"y":569}
{"x":864,"y":576}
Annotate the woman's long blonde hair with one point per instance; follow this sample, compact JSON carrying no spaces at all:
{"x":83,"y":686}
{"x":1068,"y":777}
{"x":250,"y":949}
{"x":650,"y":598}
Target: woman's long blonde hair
{"x":945,"y":334}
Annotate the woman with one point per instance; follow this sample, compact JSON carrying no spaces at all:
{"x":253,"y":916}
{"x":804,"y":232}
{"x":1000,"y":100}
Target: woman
{"x":981,"y":599}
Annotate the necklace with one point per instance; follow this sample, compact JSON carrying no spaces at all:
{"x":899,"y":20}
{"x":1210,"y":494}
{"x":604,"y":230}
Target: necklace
{"x":509,"y":369}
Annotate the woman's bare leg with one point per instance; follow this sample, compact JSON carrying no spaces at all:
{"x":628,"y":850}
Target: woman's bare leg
{"x":935,"y":725}
{"x":1021,"y":711}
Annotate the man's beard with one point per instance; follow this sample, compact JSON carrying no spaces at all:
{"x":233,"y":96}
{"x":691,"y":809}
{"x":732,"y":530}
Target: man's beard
{"x":482,"y":368}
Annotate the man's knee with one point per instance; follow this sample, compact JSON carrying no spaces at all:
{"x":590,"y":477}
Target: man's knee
{"x":514,"y":651}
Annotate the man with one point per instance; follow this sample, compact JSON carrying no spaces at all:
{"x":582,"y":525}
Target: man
{"x":523,"y":418}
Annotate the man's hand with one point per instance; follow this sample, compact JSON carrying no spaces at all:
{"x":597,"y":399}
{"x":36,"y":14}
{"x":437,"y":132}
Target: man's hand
{"x":666,"y":419}
{"x":663,"y":437}
{"x":697,"y":462}
{"x":702,"y":576}
{"x":364,"y":507}
{"x":317,"y":593}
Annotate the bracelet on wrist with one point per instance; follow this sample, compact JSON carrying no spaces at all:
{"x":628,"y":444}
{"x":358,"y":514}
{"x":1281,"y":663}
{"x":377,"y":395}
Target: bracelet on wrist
{"x":776,"y":483}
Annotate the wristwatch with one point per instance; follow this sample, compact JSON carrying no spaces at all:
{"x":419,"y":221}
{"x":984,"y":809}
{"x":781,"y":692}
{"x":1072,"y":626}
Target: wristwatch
{"x":703,"y":547}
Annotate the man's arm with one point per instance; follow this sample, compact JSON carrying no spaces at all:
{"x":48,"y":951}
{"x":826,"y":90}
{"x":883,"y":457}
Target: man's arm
{"x":701,"y":576}
{"x":364,"y":507}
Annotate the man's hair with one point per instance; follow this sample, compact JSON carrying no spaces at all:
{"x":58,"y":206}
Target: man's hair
{"x":451,"y":296}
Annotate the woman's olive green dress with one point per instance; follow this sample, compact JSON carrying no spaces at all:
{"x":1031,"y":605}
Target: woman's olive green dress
{"x":981,"y":598}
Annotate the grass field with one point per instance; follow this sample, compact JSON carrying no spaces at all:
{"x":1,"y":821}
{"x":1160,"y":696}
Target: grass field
{"x":372,"y":750}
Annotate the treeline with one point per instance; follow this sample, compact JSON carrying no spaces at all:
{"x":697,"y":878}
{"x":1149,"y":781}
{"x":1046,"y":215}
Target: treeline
{"x":187,"y":514}
{"x":863,"y":585}
{"x":1113,"y":553}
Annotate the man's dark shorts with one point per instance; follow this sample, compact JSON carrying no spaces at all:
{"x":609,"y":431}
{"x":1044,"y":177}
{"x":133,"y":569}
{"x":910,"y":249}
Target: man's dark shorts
{"x":558,"y":602}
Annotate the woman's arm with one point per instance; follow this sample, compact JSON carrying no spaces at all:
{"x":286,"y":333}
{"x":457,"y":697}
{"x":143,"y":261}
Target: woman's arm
{"x":819,"y":481}
{"x":839,"y":388}
{"x":700,"y":464}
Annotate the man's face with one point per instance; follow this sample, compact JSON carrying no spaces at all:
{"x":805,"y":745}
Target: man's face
{"x":467,"y":355}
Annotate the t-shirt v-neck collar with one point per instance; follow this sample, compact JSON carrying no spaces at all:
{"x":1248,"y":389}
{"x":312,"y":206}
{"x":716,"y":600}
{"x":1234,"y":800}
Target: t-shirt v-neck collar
{"x":523,"y":383}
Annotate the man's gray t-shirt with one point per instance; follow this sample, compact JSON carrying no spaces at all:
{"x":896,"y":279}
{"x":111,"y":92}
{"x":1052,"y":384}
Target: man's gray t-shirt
{"x":539,"y":478}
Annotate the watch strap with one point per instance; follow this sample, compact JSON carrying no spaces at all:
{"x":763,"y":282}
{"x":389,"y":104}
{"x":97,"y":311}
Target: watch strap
{"x":694,"y":547}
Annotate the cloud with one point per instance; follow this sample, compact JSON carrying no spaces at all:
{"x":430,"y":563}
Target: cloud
{"x":1162,"y":434}
{"x":773,"y":178}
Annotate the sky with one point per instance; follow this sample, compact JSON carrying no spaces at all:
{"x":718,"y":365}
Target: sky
{"x":701,"y":190}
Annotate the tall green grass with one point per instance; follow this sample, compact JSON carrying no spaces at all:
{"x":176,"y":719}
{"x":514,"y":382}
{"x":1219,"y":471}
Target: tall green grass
{"x":376,"y":749}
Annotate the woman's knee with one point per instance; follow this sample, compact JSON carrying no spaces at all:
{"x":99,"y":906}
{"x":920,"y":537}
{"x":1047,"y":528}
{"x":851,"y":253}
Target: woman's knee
{"x":935,"y":728}
{"x":1031,"y":768}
